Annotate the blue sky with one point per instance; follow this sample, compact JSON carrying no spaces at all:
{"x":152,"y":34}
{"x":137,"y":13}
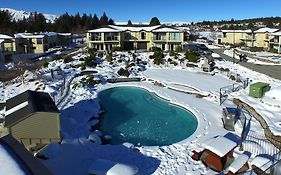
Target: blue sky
{"x":165,"y":10}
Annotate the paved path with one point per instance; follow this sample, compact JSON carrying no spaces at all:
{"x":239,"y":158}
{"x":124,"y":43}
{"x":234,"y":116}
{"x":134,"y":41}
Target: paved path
{"x":273,"y":71}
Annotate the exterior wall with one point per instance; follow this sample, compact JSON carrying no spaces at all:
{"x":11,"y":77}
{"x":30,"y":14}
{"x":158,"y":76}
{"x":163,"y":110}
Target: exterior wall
{"x":275,"y":43}
{"x":231,"y":37}
{"x":133,"y":38}
{"x":39,"y":128}
{"x":261,"y":39}
{"x":6,"y":52}
{"x":167,"y":42}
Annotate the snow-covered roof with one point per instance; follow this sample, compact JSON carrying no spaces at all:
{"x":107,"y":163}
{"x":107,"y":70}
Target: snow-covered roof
{"x":1,"y":41}
{"x":49,"y":33}
{"x":238,"y":163}
{"x":28,"y":35}
{"x":266,"y":29}
{"x":237,"y":31}
{"x":65,"y":34}
{"x":135,"y":29}
{"x":105,"y":29}
{"x":166,"y":29}
{"x":101,"y":166}
{"x":277,"y":33}
{"x":221,"y":146}
{"x":5,"y":36}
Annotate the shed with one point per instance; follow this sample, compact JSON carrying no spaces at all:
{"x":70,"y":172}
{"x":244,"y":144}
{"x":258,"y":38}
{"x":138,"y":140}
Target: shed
{"x":257,"y":90}
{"x":229,"y":117}
{"x":218,"y":153}
{"x":33,"y":119}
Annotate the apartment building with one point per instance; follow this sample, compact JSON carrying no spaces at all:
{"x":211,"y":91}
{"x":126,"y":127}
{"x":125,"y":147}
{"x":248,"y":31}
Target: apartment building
{"x":275,"y":41}
{"x":6,"y":48}
{"x":236,"y":37}
{"x":139,"y":38}
{"x":263,"y":37}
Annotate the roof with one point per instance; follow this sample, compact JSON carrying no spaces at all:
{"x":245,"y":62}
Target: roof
{"x":259,"y":84}
{"x":166,"y":29}
{"x":105,"y":29}
{"x":20,"y":158}
{"x":5,"y":36}
{"x":266,"y":29}
{"x":237,"y":31}
{"x":29,"y":35}
{"x":26,"y":103}
{"x":277,"y":33}
{"x":221,"y":146}
{"x":49,"y":33}
{"x":238,"y":163}
{"x":136,"y":28}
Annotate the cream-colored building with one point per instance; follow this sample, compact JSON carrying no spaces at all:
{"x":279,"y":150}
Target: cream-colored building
{"x":139,"y":38}
{"x":6,"y":48}
{"x":33,"y":119}
{"x":263,"y":37}
{"x":275,"y":41}
{"x":237,"y":37}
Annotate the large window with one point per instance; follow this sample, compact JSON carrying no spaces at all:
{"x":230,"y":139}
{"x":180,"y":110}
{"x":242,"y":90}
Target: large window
{"x":175,"y":36}
{"x":111,"y":36}
{"x":143,"y":35}
{"x":127,"y":35}
{"x":96,"y":37}
{"x":39,"y":41}
{"x":159,"y":36}
{"x":224,"y":34}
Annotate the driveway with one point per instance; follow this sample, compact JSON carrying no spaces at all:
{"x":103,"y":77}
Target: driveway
{"x":273,"y":71}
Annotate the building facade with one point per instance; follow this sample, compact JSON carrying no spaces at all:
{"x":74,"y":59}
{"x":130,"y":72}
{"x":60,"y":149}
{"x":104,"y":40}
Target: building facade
{"x":6,"y":48}
{"x":263,"y":37}
{"x":275,"y":42}
{"x":135,"y":38}
{"x":237,"y":37}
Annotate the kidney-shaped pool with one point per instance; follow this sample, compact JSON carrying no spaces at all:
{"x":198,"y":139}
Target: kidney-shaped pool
{"x":138,"y":116}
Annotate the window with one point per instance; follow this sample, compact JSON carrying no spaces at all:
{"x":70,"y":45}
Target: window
{"x":127,"y":35}
{"x":96,"y":37}
{"x":174,"y":36}
{"x":224,"y":34}
{"x":39,"y":41}
{"x":143,"y":35}
{"x":159,"y":36}
{"x":111,"y":36}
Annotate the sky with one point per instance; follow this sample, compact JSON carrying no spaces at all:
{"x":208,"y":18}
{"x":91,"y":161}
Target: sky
{"x":144,"y":10}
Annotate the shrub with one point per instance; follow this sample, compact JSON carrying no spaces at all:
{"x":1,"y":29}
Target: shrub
{"x":123,"y":72}
{"x":108,"y":58}
{"x":154,"y":49}
{"x":158,"y":57}
{"x":91,"y":61}
{"x":67,"y":60}
{"x":57,"y":57}
{"x":172,"y":53}
{"x":92,"y":51}
{"x":179,"y":49}
{"x":192,"y":56}
{"x":273,"y":50}
{"x":46,"y":64}
{"x":116,"y":48}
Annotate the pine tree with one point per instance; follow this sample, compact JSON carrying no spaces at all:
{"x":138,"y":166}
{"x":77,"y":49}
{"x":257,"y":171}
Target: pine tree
{"x":95,"y":22}
{"x":154,"y":21}
{"x":129,"y":23}
{"x":103,"y":20}
{"x":110,"y":22}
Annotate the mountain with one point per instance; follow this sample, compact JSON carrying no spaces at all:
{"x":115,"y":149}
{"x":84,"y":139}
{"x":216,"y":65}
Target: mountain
{"x":18,"y":15}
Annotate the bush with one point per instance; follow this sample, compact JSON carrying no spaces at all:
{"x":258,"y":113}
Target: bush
{"x":172,"y":53}
{"x":158,"y":58}
{"x":179,"y":49}
{"x":123,"y":72}
{"x":273,"y":50}
{"x":46,"y":64}
{"x":116,"y":48}
{"x":91,"y":61}
{"x":155,"y":49}
{"x":67,"y":60}
{"x":57,"y":57}
{"x":192,"y":56}
{"x":108,"y":58}
{"x":92,"y":51}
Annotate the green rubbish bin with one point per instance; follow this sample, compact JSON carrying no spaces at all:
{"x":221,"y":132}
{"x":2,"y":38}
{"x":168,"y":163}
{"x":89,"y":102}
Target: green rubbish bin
{"x":257,"y":90}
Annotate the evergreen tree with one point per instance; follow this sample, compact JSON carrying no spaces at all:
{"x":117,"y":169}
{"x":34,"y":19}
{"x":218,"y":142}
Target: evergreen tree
{"x":110,"y":22}
{"x":103,"y":20}
{"x":95,"y":22}
{"x":154,"y":21}
{"x":129,"y":23}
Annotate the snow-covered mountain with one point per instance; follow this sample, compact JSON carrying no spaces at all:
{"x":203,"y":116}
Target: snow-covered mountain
{"x":19,"y":14}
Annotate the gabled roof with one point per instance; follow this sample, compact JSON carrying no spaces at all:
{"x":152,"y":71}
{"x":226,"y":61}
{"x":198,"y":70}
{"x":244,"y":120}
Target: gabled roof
{"x":136,"y":28}
{"x":20,"y":157}
{"x":5,"y":36}
{"x":277,"y":33}
{"x":166,"y":29}
{"x":28,"y":35}
{"x":105,"y":29}
{"x":21,"y":106}
{"x":237,"y":31}
{"x":266,"y":30}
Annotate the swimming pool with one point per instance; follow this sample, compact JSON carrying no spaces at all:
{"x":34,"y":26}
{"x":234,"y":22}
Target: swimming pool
{"x":138,"y":116}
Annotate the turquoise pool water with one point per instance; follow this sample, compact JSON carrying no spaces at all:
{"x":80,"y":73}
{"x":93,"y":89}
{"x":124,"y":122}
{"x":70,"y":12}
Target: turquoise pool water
{"x":137,"y":116}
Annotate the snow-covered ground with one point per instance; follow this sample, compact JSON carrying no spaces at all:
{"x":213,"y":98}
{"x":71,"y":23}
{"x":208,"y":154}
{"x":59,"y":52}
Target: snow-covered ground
{"x":80,"y":109}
